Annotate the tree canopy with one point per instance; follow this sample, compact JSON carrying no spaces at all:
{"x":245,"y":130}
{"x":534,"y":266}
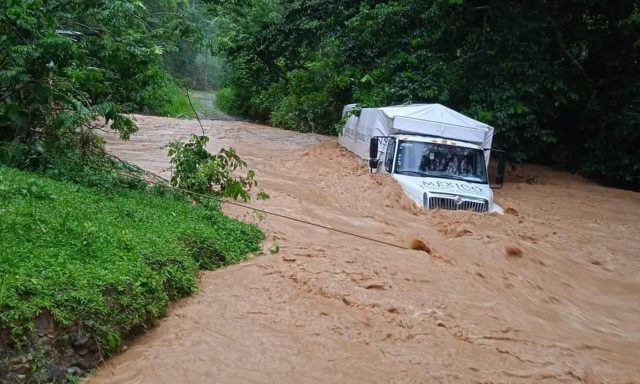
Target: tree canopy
{"x":65,"y":63}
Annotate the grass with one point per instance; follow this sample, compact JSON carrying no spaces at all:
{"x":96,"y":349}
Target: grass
{"x":226,"y":101}
{"x":178,"y":105}
{"x":206,"y":103}
{"x":105,"y":261}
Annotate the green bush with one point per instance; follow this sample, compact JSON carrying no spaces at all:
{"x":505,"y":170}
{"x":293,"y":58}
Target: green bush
{"x":197,"y":170}
{"x":177,"y":103}
{"x":226,"y":101}
{"x":107,"y":261}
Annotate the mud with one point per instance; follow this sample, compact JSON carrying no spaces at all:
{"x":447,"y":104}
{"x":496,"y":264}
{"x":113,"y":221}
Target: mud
{"x":337,"y":309}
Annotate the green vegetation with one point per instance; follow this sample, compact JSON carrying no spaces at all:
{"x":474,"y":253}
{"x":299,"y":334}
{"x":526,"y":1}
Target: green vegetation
{"x":66,"y":65}
{"x":104,"y":261}
{"x":205,"y":102}
{"x":226,"y":100}
{"x":197,"y":170}
{"x":558,"y":80}
{"x":178,"y":105}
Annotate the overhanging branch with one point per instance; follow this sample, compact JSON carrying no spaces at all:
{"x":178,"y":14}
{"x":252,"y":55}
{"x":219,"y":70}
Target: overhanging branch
{"x":565,"y":52}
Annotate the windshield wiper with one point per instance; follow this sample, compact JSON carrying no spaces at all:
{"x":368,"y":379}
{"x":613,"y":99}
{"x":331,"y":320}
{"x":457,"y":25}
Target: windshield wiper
{"x":444,"y":176}
{"x":463,"y":178}
{"x":413,"y":173}
{"x":456,"y":177}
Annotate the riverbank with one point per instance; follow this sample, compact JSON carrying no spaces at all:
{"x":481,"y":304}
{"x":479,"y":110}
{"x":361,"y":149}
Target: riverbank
{"x":82,"y":269}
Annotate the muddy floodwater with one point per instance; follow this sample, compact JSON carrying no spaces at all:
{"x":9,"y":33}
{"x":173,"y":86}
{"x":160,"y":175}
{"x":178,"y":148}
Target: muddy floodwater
{"x":548,"y":292}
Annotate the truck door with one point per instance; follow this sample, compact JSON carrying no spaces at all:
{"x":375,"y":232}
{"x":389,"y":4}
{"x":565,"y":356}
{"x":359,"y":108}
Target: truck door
{"x":389,"y":155}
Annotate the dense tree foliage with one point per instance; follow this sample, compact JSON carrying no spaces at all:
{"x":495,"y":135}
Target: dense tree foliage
{"x":193,"y":63}
{"x":558,"y":80}
{"x":65,"y":63}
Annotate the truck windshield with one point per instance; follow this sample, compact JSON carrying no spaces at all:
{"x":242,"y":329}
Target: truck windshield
{"x":422,"y":159}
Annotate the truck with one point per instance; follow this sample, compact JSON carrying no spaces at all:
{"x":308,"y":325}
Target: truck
{"x":439,"y":156}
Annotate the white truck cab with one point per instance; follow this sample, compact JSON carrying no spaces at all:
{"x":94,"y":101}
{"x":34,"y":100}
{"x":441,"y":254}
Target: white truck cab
{"x":439,"y":173}
{"x":439,"y":163}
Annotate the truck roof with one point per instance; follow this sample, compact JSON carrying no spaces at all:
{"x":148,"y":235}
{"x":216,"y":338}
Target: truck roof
{"x":427,"y":120}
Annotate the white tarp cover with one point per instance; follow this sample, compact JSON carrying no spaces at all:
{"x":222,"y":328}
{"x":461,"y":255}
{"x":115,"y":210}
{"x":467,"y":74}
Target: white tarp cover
{"x":417,"y":119}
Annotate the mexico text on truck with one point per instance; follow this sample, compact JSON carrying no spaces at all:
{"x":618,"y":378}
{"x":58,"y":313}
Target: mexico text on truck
{"x":439,"y":156}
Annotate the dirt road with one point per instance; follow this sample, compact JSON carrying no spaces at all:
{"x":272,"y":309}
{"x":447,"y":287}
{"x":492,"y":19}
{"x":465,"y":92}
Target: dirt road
{"x":336,"y":309}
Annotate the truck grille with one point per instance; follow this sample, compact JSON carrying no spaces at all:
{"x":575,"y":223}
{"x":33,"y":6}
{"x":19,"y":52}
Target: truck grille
{"x":459,"y":204}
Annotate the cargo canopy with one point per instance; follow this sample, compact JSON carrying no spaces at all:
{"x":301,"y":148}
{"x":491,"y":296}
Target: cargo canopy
{"x":415,"y":119}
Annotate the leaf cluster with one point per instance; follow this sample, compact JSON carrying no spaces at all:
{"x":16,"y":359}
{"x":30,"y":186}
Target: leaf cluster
{"x":66,"y":65}
{"x":195,"y":169}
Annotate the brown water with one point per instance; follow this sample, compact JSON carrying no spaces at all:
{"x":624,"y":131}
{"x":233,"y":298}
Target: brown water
{"x":548,"y":292}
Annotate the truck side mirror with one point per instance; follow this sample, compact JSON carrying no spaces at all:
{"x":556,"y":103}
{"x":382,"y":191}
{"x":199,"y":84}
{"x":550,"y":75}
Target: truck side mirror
{"x":373,"y":163}
{"x":373,"y":148}
{"x":502,"y":160}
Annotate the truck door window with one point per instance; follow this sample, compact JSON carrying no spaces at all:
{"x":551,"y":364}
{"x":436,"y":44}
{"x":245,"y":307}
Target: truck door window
{"x":388,"y":157}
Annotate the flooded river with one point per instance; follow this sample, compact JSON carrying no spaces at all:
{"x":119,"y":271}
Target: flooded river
{"x":549,"y":292}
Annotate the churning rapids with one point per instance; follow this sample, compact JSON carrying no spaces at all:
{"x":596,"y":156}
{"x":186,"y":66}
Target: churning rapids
{"x":548,"y":292}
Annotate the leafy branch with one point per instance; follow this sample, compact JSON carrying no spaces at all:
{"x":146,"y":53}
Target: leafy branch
{"x":196,"y":170}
